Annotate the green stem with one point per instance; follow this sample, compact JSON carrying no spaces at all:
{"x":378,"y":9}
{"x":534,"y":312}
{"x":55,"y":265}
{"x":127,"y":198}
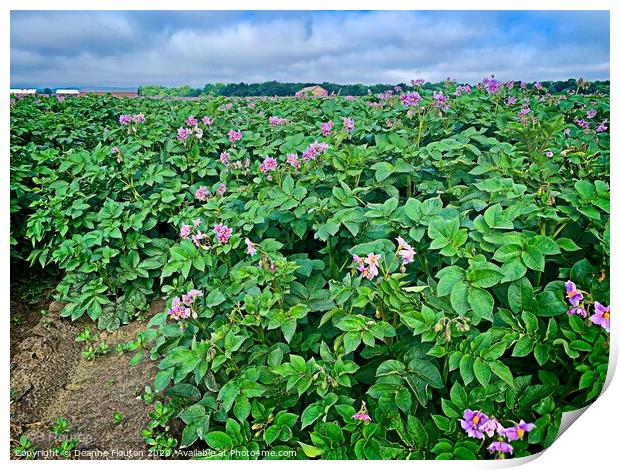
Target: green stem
{"x":332,"y":261}
{"x":445,"y":371}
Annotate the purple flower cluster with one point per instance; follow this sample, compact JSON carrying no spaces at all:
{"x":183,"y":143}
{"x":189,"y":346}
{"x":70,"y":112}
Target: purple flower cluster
{"x":367,"y":266}
{"x":440,"y":100}
{"x":410,"y":99}
{"x":418,"y":82}
{"x":349,"y":124}
{"x":293,"y":160}
{"x":362,"y":414}
{"x":572,"y":294}
{"x":269,"y":164}
{"x":206,"y":120}
{"x":234,"y":136}
{"x":236,"y":165}
{"x":250,"y":246}
{"x":221,"y":189}
{"x":224,"y":158}
{"x":201,"y":193}
{"x":326,"y":128}
{"x":276,"y":121}
{"x":314,"y":150}
{"x":583,"y":123}
{"x":491,"y":85}
{"x":126,"y":119}
{"x":182,"y":308}
{"x":462,"y":89}
{"x":362,"y":417}
{"x":602,"y":126}
{"x":476,"y":424}
{"x":197,"y":237}
{"x":473,"y":423}
{"x":525,"y":110}
{"x":601,"y":314}
{"x":406,"y":253}
{"x":511,"y":100}
{"x":501,"y":447}
{"x":222,"y":232}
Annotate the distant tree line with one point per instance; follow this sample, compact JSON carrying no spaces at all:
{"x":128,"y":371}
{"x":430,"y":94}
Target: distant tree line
{"x":274,"y":88}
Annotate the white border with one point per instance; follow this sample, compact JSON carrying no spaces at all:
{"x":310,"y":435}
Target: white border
{"x":591,"y":442}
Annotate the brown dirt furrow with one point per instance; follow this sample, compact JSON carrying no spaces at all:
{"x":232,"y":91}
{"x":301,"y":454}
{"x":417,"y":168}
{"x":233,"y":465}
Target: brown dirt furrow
{"x":50,"y":378}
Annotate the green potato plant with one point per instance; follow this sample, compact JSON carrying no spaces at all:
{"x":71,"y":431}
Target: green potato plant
{"x":412,"y":275}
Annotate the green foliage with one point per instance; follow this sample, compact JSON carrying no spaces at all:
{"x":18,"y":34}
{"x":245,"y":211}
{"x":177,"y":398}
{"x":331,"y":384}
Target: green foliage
{"x":287,"y":345}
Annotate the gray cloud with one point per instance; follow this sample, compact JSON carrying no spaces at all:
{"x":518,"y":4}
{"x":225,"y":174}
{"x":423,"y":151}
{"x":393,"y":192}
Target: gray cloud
{"x":173,"y":48}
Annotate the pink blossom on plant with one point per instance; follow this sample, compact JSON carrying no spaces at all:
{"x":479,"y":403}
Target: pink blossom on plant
{"x":577,"y":311}
{"x":362,"y":417}
{"x":349,"y":124}
{"x":572,"y":294}
{"x":201,"y":193}
{"x":440,"y":100}
{"x":234,"y":136}
{"x":326,"y":128}
{"x":276,"y":121}
{"x":250,"y":246}
{"x":372,"y":260}
{"x":602,"y":126}
{"x":410,"y":99}
{"x":313,"y":150}
{"x":472,"y":422}
{"x":501,"y":447}
{"x":189,"y":298}
{"x":223,"y":233}
{"x":492,"y":426}
{"x":293,"y":160}
{"x":224,"y":158}
{"x":185,"y":231}
{"x":517,"y":432}
{"x":583,"y":123}
{"x":268,"y":165}
{"x":221,"y":189}
{"x":183,"y":134}
{"x":405,"y":251}
{"x":601,"y":315}
{"x":462,"y":89}
{"x":206,"y":120}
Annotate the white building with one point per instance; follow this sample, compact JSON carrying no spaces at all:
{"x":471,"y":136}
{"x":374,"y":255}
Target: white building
{"x":23,"y":91}
{"x":61,"y":91}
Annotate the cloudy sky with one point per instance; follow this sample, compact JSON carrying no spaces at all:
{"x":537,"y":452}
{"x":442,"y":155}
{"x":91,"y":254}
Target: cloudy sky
{"x":130,"y":48}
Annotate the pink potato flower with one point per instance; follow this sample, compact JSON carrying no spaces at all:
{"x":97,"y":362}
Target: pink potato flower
{"x":601,"y":315}
{"x":572,"y":294}
{"x":517,"y":432}
{"x":250,"y":246}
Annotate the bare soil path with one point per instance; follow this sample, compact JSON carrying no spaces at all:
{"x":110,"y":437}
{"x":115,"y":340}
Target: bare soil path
{"x":50,"y":378}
